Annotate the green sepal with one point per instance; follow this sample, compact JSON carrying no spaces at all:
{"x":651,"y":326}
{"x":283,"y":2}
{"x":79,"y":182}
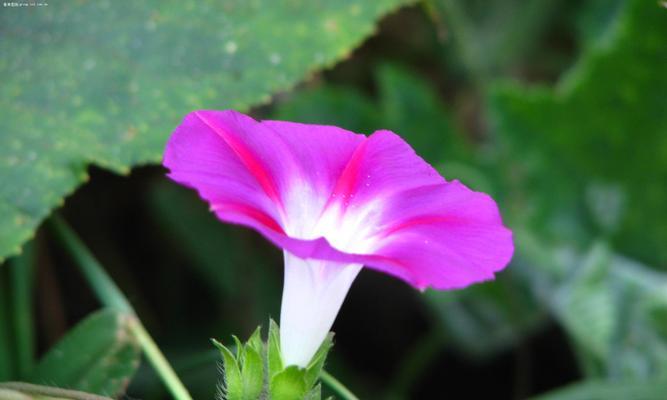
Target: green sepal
{"x":255,"y":341}
{"x":252,"y":373}
{"x":253,"y":365}
{"x":317,"y":363}
{"x":274,"y":354}
{"x":240,"y":350}
{"x":233,"y":384}
{"x":315,"y":393}
{"x":256,"y":370}
{"x":289,"y":384}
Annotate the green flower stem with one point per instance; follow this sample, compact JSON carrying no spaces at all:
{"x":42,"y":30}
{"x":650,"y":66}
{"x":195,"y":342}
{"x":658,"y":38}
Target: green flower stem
{"x":103,"y":286}
{"x":159,"y":362}
{"x":109,"y":294}
{"x":21,"y":270}
{"x":337,"y":386}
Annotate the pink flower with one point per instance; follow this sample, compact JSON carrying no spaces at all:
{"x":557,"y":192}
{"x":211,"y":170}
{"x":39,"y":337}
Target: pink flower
{"x":334,"y":201}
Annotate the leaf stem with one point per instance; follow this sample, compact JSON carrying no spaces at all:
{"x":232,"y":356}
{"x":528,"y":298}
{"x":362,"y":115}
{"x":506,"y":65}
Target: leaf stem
{"x":101,"y":283}
{"x":337,"y":386}
{"x":110,"y":295}
{"x":159,"y":362}
{"x":49,"y":392}
{"x":21,"y":270}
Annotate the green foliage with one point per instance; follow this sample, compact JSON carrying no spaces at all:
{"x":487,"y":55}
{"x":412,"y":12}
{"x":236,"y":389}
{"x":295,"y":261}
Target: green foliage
{"x":487,"y":318}
{"x":105,"y":82}
{"x":99,"y":355}
{"x":613,"y":308}
{"x":218,"y":252}
{"x":603,"y":126}
{"x":583,"y":173}
{"x":605,"y":390}
{"x":22,"y":283}
{"x":490,"y":37}
{"x":16,"y":316}
{"x":406,"y":105}
{"x":6,"y":348}
{"x":224,"y":258}
{"x":257,"y":370}
{"x":597,"y":19}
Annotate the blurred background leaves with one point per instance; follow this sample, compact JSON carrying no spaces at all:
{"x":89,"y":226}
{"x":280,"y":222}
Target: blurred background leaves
{"x":594,"y":131}
{"x":557,"y":109}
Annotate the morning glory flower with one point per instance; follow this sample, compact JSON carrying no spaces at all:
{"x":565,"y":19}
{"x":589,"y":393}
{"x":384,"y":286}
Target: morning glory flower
{"x":335,"y":201}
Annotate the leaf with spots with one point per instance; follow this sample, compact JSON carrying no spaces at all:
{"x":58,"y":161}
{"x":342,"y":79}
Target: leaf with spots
{"x":106,"y":82}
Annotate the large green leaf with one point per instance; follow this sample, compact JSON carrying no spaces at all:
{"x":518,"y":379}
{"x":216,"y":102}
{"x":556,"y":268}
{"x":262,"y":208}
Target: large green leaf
{"x":596,"y":144}
{"x":105,"y":82}
{"x":100,"y":355}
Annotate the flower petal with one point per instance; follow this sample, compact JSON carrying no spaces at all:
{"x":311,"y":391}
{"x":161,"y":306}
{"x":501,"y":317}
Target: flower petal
{"x":236,"y":164}
{"x":325,"y":193}
{"x":447,"y":236}
{"x":322,"y":153}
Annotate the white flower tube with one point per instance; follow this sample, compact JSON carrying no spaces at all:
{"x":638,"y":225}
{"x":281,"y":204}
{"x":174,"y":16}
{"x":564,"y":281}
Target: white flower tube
{"x":313,"y":293}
